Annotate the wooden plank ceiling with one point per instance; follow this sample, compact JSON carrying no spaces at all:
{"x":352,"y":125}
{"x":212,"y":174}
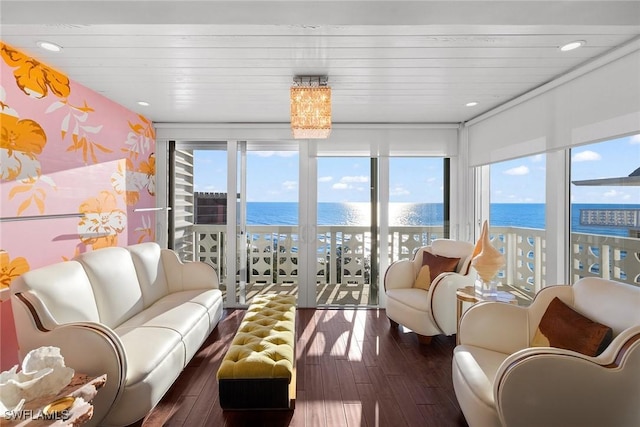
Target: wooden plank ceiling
{"x":387,"y":61}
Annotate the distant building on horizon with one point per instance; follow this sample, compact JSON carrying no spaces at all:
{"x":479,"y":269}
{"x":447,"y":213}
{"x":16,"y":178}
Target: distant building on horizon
{"x":629,"y":218}
{"x":210,"y":208}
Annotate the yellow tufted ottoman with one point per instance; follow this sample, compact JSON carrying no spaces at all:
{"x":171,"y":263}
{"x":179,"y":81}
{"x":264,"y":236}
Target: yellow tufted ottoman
{"x":258,"y":370}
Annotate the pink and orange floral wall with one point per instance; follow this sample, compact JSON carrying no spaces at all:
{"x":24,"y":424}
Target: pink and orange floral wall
{"x":65,"y":150}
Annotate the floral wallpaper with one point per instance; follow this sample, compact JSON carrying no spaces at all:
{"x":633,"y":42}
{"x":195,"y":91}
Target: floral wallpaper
{"x":67,"y":150}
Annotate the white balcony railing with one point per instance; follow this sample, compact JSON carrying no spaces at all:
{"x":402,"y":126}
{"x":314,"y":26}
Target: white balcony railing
{"x":343,"y":251}
{"x":344,"y":256}
{"x":523,"y":249}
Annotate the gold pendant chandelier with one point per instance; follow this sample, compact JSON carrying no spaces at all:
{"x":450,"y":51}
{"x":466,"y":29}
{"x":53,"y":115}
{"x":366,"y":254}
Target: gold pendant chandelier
{"x":310,"y":107}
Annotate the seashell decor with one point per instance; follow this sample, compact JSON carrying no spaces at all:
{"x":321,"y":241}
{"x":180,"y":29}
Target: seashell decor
{"x":486,"y":259}
{"x":43,"y":373}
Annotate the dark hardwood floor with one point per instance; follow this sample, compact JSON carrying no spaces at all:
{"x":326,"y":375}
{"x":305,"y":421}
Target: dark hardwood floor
{"x":353,"y":369}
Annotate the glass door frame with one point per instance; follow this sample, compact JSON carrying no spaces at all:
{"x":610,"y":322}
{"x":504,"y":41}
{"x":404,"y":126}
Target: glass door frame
{"x":241,"y":223}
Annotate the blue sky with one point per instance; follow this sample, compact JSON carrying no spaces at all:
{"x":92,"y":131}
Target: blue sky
{"x":273,"y":176}
{"x":523,"y":180}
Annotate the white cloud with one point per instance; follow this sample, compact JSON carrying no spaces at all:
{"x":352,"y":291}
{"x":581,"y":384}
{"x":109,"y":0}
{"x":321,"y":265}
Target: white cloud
{"x":325,"y":179}
{"x":289,"y":185}
{"x":357,"y":178}
{"x":537,"y":158}
{"x":340,"y":186}
{"x":432,"y":179}
{"x":286,"y":153}
{"x":586,"y":156}
{"x":273,"y":153}
{"x":399,"y":191}
{"x":262,"y":153}
{"x":635,"y":139}
{"x":612,"y":193}
{"x":519,"y":170}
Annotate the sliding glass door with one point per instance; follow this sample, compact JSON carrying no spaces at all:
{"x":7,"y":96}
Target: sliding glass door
{"x":344,"y":232}
{"x":235,"y":205}
{"x":267,"y":222}
{"x":351,"y":232}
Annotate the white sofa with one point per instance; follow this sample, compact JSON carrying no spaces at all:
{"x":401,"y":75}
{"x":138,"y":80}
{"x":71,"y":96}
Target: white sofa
{"x":137,"y":314}
{"x":428,"y":312}
{"x":500,"y":380}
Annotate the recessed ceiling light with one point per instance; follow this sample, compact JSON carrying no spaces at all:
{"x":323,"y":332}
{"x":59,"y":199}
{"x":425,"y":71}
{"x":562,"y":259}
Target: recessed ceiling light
{"x":471,"y":104}
{"x":51,"y":47}
{"x":143,"y":103}
{"x":573,"y":45}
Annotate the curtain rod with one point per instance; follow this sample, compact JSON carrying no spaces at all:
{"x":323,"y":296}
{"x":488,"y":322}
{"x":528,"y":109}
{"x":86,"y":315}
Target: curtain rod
{"x":37,"y":217}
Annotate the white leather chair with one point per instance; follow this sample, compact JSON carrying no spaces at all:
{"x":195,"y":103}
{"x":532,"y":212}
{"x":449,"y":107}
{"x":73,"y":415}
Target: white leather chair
{"x":500,"y":380}
{"x":432,"y":312}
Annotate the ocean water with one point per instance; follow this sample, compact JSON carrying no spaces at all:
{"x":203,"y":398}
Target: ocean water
{"x":530,"y":215}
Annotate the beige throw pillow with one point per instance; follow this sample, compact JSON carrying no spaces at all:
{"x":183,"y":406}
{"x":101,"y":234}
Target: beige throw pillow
{"x":423,"y":281}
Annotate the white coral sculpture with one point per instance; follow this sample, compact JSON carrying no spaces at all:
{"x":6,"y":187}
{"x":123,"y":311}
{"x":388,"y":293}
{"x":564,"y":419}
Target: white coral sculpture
{"x":43,"y":373}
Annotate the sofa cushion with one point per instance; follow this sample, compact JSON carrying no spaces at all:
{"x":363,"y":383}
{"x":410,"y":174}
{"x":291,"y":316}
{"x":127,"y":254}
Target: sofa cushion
{"x":149,"y":347}
{"x":563,"y":327}
{"x":179,"y":312}
{"x":148,"y":263}
{"x":413,"y":297}
{"x":64,"y":289}
{"x":439,"y":264}
{"x":210,"y":299}
{"x":207,"y":298}
{"x":178,"y":316}
{"x":115,"y":284}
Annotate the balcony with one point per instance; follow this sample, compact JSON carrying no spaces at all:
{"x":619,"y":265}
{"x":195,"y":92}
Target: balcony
{"x":592,"y":255}
{"x":343,"y":265}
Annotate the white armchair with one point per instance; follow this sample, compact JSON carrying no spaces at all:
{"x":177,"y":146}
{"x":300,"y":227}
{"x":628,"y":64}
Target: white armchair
{"x":501,"y":380}
{"x":433,"y":311}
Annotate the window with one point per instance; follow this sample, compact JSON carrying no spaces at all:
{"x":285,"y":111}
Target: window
{"x":416,"y":203}
{"x":605,"y":210}
{"x":517,"y":221}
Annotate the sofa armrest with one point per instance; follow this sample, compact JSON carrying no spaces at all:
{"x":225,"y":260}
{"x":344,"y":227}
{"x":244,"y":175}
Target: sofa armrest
{"x":495,"y":326}
{"x":39,"y":315}
{"x":184,"y":276}
{"x":87,"y":347}
{"x":570,"y":388}
{"x":400,"y":274}
{"x":442,"y":294}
